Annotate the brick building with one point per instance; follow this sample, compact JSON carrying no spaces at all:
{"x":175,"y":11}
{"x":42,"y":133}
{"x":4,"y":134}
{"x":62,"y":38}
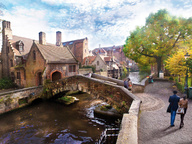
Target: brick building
{"x":29,"y":63}
{"x":78,"y":47}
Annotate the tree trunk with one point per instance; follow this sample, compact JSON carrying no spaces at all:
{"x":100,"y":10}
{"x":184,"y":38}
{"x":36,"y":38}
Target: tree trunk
{"x":158,"y":60}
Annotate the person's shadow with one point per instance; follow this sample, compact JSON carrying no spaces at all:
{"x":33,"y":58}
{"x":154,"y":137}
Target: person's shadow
{"x":163,"y":132}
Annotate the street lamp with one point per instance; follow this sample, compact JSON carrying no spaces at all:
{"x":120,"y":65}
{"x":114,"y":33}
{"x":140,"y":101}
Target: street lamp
{"x":186,"y":78}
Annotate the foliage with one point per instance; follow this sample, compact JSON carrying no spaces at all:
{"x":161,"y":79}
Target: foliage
{"x":179,"y":85}
{"x":1,"y":99}
{"x":176,"y":63}
{"x":65,"y":98}
{"x":171,"y":78}
{"x":93,"y":68}
{"x":105,"y":107}
{"x":6,"y":83}
{"x":157,"y":39}
{"x":124,"y":73}
{"x":22,"y":101}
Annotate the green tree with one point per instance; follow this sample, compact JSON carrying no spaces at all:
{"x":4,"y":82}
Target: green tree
{"x":159,"y":37}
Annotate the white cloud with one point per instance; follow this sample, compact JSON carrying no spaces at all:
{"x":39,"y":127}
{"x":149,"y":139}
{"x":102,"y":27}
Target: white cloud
{"x":105,"y":22}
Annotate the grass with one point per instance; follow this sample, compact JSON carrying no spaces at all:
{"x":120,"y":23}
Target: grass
{"x":66,"y":99}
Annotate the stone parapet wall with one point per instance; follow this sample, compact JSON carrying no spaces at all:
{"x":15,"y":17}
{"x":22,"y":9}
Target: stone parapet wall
{"x":18,"y":98}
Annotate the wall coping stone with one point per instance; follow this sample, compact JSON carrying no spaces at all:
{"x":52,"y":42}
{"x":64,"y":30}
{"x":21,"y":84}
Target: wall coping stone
{"x":20,"y":90}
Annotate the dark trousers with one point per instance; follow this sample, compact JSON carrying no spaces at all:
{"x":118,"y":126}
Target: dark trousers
{"x":183,"y":115}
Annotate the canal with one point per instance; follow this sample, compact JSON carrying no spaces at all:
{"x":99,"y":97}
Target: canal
{"x":51,"y":122}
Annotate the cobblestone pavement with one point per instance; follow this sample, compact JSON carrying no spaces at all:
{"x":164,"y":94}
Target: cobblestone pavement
{"x":154,"y":122}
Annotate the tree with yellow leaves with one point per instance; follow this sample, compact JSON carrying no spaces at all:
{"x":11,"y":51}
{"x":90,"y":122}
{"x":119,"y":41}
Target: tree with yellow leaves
{"x":176,"y":63}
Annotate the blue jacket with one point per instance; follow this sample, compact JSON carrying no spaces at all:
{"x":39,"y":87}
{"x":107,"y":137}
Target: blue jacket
{"x":174,"y":99}
{"x":126,"y":84}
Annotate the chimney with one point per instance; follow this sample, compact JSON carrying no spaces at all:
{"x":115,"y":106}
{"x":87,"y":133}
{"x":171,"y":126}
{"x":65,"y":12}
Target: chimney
{"x":42,"y":38}
{"x":6,"y":29}
{"x":58,"y":38}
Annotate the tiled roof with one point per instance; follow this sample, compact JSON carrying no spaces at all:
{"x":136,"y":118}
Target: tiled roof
{"x":107,"y":59}
{"x":72,"y":42}
{"x":91,"y":59}
{"x":117,"y":48}
{"x":27,"y":44}
{"x":56,"y":54}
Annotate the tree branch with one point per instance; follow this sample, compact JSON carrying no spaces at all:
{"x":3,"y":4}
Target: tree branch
{"x":176,"y":40}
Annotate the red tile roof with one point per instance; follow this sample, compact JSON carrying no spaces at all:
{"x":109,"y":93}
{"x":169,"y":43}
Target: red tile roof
{"x":91,"y":59}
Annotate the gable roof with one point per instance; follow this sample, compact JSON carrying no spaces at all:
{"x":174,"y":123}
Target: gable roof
{"x":91,"y":59}
{"x":27,"y":45}
{"x":56,"y":54}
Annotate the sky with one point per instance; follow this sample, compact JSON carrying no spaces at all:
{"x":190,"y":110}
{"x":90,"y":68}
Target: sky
{"x":104,"y":22}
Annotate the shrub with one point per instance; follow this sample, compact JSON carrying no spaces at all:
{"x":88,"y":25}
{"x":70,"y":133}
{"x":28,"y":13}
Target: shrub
{"x":6,"y":83}
{"x":170,"y":78}
{"x":93,"y":68}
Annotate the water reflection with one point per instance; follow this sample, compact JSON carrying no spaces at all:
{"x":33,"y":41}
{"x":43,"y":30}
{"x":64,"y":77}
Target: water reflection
{"x":50,"y":122}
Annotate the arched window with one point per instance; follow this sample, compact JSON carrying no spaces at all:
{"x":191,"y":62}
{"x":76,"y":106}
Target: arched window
{"x":34,"y":55}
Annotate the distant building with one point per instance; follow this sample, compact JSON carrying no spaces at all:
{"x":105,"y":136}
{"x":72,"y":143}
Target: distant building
{"x":79,"y":48}
{"x":115,"y":58}
{"x":29,"y":63}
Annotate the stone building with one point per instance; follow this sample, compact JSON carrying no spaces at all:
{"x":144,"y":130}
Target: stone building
{"x":103,"y":63}
{"x":29,"y":63}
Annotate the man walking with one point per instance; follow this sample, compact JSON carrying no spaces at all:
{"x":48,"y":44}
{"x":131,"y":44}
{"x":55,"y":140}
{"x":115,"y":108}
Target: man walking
{"x":173,"y":100}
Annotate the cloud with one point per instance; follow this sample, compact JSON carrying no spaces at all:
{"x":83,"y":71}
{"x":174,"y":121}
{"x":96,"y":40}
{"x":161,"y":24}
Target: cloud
{"x":105,"y":22}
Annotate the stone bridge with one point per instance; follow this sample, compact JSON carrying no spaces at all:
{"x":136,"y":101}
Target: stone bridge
{"x":110,"y":91}
{"x":99,"y":87}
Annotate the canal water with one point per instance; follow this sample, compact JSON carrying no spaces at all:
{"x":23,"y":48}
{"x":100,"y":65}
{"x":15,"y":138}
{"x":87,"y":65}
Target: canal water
{"x":51,"y":122}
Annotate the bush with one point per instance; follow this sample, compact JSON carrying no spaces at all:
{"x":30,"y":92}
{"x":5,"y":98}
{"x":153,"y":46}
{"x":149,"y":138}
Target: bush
{"x":171,"y":78}
{"x":179,"y":85}
{"x":6,"y":83}
{"x":93,"y":68}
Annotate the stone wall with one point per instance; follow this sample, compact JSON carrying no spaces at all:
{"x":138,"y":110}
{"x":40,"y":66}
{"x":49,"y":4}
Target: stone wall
{"x":18,"y":98}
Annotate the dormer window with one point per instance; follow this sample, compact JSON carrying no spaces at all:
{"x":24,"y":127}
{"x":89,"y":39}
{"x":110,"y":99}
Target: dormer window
{"x":20,"y":46}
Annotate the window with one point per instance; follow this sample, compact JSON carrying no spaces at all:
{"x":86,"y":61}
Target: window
{"x":97,"y":62}
{"x":34,"y":55}
{"x":20,"y":47}
{"x":72,"y":68}
{"x":12,"y":76}
{"x":18,"y":75}
{"x":11,"y":61}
